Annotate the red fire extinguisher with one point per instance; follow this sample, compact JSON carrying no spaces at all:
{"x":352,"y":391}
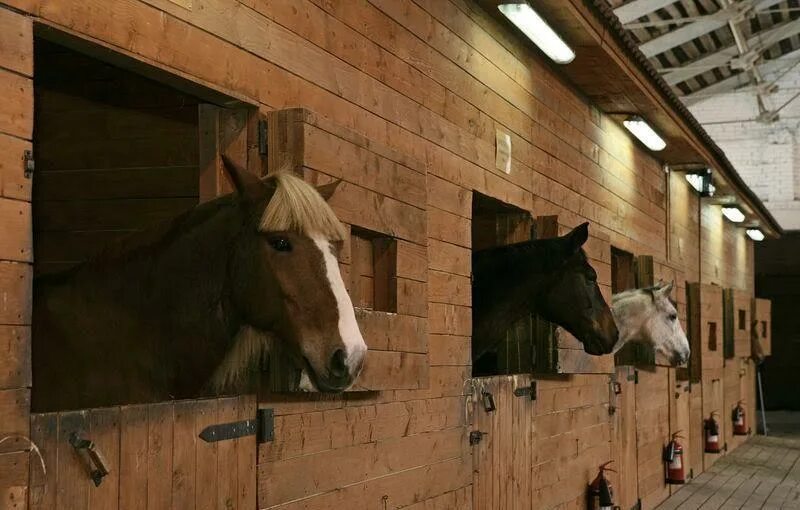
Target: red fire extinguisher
{"x":600,"y":493}
{"x":673,"y":457}
{"x":739,"y":420}
{"x":712,"y":434}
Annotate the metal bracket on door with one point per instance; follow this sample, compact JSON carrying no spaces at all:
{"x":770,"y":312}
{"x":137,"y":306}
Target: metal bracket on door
{"x":262,"y":426}
{"x":28,"y":164}
{"x":526,"y":391}
{"x":91,"y":457}
{"x":475,"y":437}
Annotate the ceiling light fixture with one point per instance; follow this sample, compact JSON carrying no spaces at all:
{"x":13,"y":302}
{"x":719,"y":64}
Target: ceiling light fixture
{"x":642,"y":130}
{"x":755,"y":234}
{"x":702,"y":183}
{"x":734,"y":214}
{"x":537,"y":30}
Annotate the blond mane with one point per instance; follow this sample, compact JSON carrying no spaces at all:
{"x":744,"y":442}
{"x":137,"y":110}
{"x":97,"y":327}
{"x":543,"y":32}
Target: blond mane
{"x":298,"y":207}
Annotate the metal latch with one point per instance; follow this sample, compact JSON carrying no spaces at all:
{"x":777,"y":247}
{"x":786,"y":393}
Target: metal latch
{"x":476,"y":436}
{"x":28,"y":164}
{"x":262,"y":426}
{"x":91,"y":457}
{"x":526,"y":391}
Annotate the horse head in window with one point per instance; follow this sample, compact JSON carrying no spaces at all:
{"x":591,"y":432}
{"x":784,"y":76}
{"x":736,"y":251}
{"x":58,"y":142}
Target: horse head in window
{"x":549,"y":277}
{"x":649,"y":316}
{"x":190,"y":307}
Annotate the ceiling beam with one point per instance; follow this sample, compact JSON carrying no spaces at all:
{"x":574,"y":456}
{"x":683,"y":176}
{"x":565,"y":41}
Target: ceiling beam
{"x":742,"y":79}
{"x":638,"y":8}
{"x":759,"y":42}
{"x":691,"y":31}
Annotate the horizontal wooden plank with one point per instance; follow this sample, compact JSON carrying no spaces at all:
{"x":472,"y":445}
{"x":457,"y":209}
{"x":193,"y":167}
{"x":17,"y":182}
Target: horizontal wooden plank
{"x":16,"y":112}
{"x":72,"y":246}
{"x":450,"y":350}
{"x":390,"y":370}
{"x":309,"y":433}
{"x":363,"y":208}
{"x":152,"y":182}
{"x":152,"y":151}
{"x":16,"y":280}
{"x":15,"y":344}
{"x":385,"y":331}
{"x":284,"y":481}
{"x":15,"y":405}
{"x":13,"y":183}
{"x":13,"y":471}
{"x":412,"y":261}
{"x":333,"y":156}
{"x":16,"y":243}
{"x":122,"y":214}
{"x":16,"y":42}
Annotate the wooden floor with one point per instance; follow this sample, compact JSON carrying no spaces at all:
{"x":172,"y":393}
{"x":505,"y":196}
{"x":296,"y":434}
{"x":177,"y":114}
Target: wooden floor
{"x":762,"y":473}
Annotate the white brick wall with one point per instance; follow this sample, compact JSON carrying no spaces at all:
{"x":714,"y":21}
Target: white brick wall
{"x":766,"y":156}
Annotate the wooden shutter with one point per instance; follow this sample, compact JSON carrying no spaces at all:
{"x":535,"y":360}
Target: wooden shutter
{"x":762,"y":324}
{"x":383,"y":199}
{"x":728,"y":321}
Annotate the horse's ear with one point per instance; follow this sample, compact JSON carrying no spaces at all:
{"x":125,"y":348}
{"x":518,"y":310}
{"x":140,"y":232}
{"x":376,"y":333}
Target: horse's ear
{"x":246,"y":183}
{"x":578,"y":237}
{"x":667,"y":290}
{"x":327,"y":190}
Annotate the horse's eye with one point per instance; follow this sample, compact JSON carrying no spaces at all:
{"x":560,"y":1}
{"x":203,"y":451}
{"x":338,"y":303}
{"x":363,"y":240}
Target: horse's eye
{"x":673,"y":317}
{"x":280,"y":243}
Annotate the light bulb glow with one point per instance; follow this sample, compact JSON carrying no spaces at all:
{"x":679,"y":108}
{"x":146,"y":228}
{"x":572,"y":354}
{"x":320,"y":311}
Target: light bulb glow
{"x":537,"y":30}
{"x":701,"y":182}
{"x":695,"y":181}
{"x":734,"y":214}
{"x":755,"y":234}
{"x":642,"y":130}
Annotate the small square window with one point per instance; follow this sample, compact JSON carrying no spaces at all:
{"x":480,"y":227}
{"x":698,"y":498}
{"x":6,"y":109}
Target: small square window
{"x":712,"y":336}
{"x":742,"y":320}
{"x":373,"y":271}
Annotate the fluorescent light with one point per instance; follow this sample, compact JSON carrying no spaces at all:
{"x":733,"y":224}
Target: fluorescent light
{"x":733,"y":213}
{"x":645,"y":133}
{"x":696,"y":181}
{"x":532,"y":25}
{"x":755,"y":234}
{"x":701,"y":182}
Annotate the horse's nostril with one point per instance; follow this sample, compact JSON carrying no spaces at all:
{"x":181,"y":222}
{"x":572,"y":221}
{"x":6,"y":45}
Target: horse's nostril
{"x":339,"y":364}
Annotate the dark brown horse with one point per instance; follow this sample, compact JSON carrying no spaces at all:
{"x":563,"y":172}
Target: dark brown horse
{"x":550,"y":277}
{"x":187,"y":309}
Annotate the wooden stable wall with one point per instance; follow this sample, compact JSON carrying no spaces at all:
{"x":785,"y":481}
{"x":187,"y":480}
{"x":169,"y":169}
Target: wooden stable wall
{"x":433,"y":81}
{"x":16,"y":254}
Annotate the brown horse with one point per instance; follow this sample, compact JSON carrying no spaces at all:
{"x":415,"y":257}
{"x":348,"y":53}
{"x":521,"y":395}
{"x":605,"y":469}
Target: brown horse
{"x":550,"y":277}
{"x":189,"y":308}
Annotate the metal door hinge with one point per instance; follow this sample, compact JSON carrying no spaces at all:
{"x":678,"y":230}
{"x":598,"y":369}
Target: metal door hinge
{"x":28,"y":164}
{"x":262,"y":426}
{"x":526,"y":391}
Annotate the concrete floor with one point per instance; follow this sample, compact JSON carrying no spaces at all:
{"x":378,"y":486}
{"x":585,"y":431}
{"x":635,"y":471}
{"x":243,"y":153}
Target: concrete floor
{"x":762,"y":473}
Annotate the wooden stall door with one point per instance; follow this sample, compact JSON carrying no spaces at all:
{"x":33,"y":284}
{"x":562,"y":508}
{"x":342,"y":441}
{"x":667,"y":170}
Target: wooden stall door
{"x":16,"y":253}
{"x":154,"y":455}
{"x":652,"y":433}
{"x":502,"y":460}
{"x":624,"y":438}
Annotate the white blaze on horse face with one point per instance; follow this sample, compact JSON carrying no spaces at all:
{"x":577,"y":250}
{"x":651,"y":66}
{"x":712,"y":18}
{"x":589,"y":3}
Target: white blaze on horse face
{"x":355,"y":347}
